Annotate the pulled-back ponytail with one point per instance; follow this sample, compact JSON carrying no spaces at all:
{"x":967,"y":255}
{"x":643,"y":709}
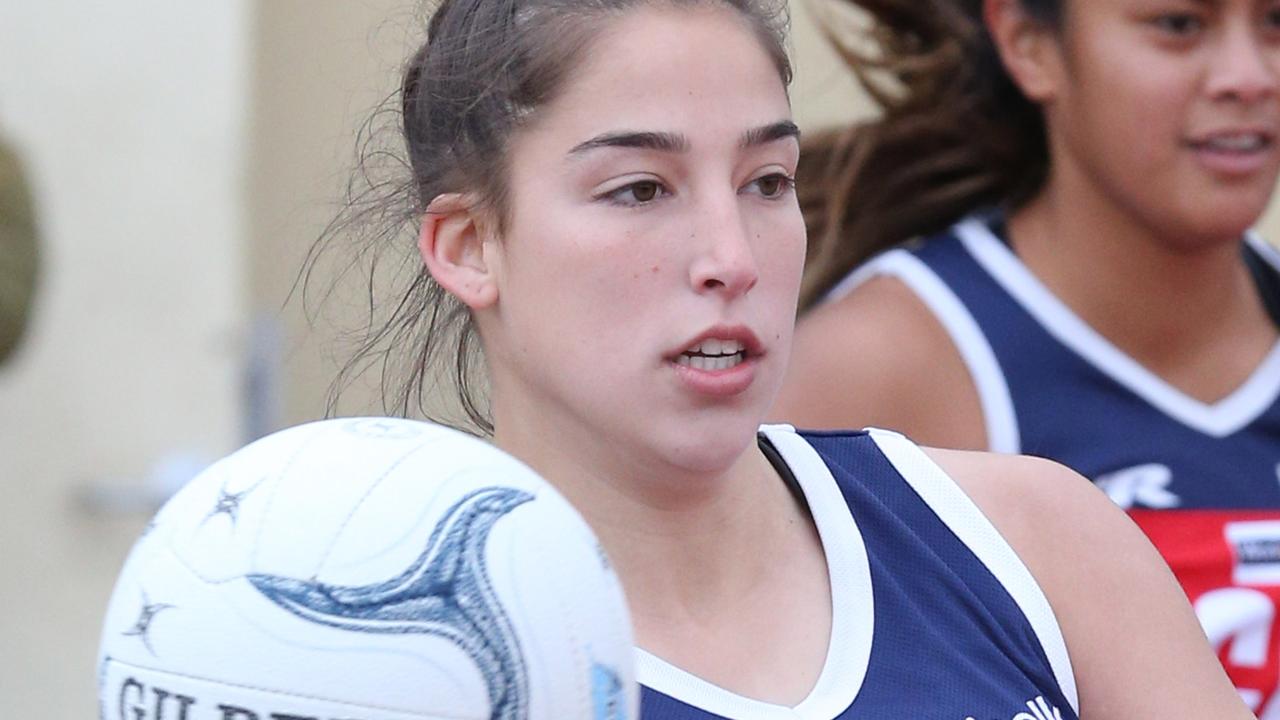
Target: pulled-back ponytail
{"x":954,"y":134}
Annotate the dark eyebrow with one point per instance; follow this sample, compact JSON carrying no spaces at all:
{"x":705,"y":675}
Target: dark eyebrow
{"x":662,"y":141}
{"x":677,"y":143}
{"x":769,"y":133}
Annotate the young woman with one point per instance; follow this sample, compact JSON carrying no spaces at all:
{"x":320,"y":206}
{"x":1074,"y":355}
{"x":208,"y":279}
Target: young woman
{"x":602,"y":192}
{"x":1098,"y":300}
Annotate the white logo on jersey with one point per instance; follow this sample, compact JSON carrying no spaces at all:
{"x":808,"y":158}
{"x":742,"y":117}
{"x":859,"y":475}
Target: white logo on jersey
{"x":1040,"y":710}
{"x":1141,"y":485}
{"x":1256,"y":546}
{"x":1244,"y":616}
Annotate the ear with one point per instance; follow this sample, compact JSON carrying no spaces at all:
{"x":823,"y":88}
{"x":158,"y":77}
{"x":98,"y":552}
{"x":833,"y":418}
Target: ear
{"x":454,"y":248}
{"x":1029,"y":50}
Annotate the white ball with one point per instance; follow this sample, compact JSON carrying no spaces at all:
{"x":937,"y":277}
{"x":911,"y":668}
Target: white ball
{"x":367,"y":569}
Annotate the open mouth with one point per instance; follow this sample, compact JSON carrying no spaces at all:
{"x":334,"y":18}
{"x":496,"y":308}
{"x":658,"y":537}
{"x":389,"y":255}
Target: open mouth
{"x":1234,"y":143}
{"x":713,"y":354}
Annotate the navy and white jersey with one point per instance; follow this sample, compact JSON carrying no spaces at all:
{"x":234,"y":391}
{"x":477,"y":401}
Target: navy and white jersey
{"x":933,"y":615}
{"x":1201,"y":479}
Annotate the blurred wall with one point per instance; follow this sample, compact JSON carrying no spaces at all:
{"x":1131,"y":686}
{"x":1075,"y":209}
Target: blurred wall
{"x":320,"y":70}
{"x":130,"y":119}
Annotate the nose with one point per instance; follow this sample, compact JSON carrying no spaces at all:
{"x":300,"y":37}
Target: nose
{"x":1243,"y":67}
{"x":725,"y":262}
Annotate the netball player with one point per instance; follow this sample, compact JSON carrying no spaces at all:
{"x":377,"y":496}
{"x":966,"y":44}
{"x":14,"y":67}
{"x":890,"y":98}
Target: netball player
{"x":1084,"y":173}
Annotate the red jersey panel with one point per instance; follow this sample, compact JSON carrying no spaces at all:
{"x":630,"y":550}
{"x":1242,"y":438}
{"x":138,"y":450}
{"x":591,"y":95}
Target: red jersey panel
{"x":1229,"y":565}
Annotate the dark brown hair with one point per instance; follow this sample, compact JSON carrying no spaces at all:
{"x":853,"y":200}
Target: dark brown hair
{"x":954,"y":134}
{"x":484,"y":70}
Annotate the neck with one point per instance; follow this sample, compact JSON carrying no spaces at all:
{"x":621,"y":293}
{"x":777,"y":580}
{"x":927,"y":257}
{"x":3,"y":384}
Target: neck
{"x":1168,"y":302}
{"x":684,"y":544}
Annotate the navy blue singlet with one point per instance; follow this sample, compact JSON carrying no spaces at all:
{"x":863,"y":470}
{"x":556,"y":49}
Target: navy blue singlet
{"x":934,"y":616}
{"x":1202,"y":480}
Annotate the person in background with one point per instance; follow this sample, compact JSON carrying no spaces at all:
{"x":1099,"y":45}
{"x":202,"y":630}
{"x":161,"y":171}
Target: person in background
{"x":601,"y":199}
{"x":19,"y":252}
{"x":1042,"y":246}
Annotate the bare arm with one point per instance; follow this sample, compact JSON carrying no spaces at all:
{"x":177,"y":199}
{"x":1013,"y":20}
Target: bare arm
{"x":1135,"y":645}
{"x":878,"y":357}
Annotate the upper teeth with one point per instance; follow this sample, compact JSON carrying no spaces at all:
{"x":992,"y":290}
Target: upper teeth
{"x":715,"y":346}
{"x":1236,"y":142}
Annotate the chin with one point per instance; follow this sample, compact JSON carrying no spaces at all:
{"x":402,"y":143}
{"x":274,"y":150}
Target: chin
{"x":712,"y":447}
{"x":1207,"y":220}
{"x":1233,"y":210}
{"x":1225,"y":224}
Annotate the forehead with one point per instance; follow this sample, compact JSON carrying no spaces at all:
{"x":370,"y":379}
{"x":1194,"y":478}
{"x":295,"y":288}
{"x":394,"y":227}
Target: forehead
{"x":699,"y":70}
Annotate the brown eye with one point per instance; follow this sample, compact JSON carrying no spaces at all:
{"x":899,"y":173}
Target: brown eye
{"x":1178,"y":24}
{"x":644,"y":191}
{"x":772,"y":186}
{"x":1272,"y":18}
{"x":640,"y":192}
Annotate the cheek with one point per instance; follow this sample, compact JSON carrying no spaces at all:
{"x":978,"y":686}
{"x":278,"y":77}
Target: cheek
{"x":781,"y":242}
{"x":1126,"y":127}
{"x":591,"y":283}
{"x":1145,"y":106}
{"x":553,"y":250}
{"x":1131,"y":95}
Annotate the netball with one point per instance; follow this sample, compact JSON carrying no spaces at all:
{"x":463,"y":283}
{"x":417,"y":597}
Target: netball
{"x":373,"y":569}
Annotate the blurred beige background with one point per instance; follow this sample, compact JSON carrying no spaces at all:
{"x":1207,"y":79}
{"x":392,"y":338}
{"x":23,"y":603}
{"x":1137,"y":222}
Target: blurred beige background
{"x":183,"y":155}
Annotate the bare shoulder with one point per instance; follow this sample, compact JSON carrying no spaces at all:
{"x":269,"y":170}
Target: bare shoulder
{"x":1135,"y":645}
{"x":1055,"y":519}
{"x":878,"y":356}
{"x":1012,"y":490}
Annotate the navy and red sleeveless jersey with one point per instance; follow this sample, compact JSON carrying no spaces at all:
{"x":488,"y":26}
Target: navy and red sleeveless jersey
{"x":1201,"y":479}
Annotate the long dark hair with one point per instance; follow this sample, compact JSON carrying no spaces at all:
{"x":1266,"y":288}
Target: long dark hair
{"x":954,"y":133}
{"x":484,"y":70}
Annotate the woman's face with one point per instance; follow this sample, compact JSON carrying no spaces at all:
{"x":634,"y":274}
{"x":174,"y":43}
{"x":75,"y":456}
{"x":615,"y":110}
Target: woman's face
{"x":648,"y":275}
{"x":1170,"y":108}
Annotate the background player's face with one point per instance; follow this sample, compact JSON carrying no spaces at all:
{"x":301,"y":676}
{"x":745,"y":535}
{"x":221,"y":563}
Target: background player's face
{"x":651,"y":209}
{"x":1171,"y":108}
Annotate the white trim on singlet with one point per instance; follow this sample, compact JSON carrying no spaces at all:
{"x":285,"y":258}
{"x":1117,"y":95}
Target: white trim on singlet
{"x":1265,"y":249}
{"x":1219,"y":419}
{"x":852,"y":616}
{"x":958,"y":512}
{"x":999,"y":417}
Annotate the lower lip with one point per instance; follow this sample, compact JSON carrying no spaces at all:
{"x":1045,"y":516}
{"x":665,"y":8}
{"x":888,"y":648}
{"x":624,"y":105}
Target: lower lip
{"x":1224,"y":162}
{"x":718,"y":383}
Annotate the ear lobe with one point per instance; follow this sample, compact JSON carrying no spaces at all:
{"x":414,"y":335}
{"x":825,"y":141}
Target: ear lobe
{"x":453,"y":247}
{"x":1028,"y":49}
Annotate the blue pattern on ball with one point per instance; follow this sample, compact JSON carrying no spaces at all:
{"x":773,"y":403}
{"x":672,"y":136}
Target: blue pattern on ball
{"x":446,"y":592}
